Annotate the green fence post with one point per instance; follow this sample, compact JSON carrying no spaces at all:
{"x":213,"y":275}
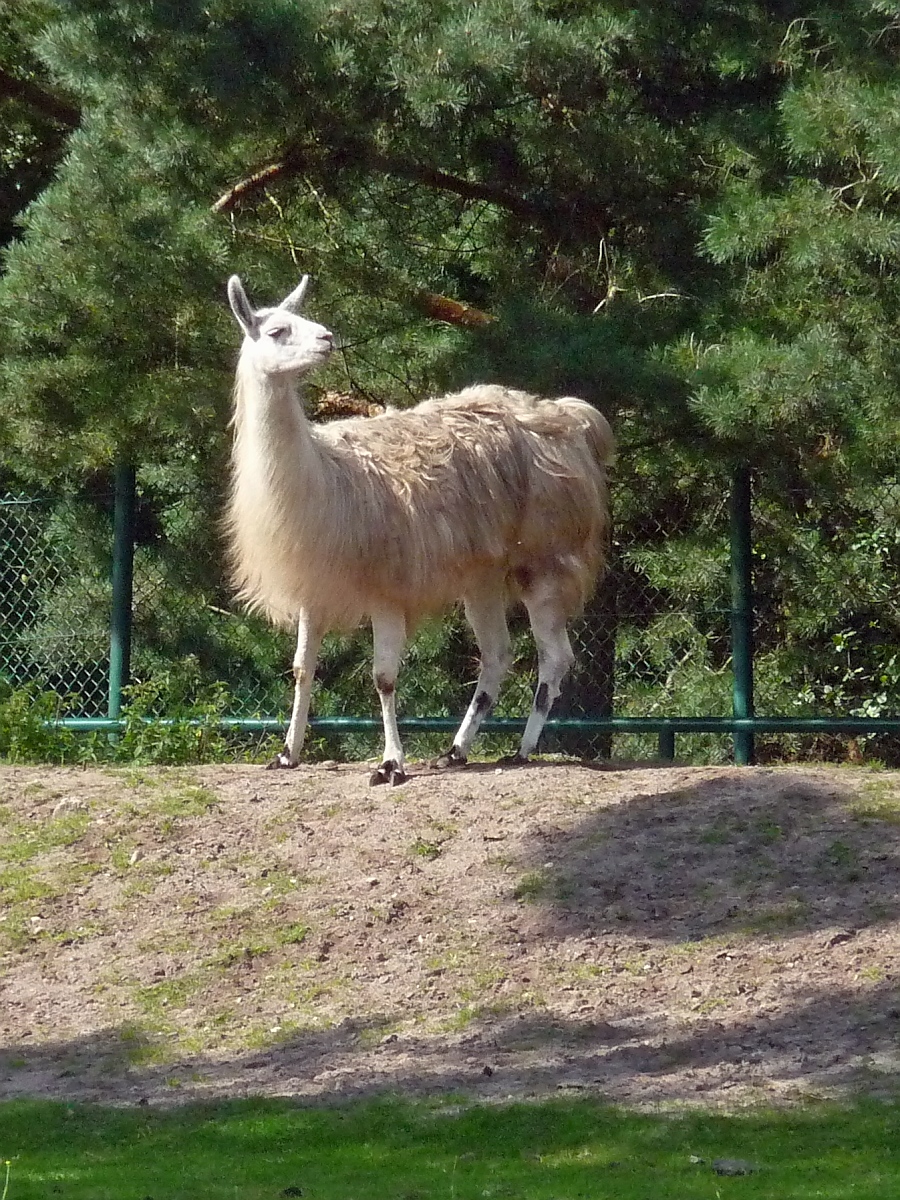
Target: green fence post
{"x":122,"y":580}
{"x":742,"y":612}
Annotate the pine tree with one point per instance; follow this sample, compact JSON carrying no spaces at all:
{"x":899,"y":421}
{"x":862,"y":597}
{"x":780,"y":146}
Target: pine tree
{"x":683,"y":211}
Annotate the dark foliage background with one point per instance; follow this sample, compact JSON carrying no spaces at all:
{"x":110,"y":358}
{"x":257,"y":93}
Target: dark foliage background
{"x":686,"y":212}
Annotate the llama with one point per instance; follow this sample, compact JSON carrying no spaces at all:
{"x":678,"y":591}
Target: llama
{"x":486,"y":496}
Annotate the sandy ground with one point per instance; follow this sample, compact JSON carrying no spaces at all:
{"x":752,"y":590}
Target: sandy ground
{"x":655,"y":936}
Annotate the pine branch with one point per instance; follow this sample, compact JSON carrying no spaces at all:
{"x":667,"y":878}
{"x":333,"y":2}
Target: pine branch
{"x":465,"y":188}
{"x":396,"y":168}
{"x":452,"y":312}
{"x":246,"y":187}
{"x":37,"y":98}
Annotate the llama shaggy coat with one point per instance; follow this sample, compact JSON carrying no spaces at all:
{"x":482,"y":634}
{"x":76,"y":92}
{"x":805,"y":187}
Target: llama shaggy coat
{"x":413,"y":509}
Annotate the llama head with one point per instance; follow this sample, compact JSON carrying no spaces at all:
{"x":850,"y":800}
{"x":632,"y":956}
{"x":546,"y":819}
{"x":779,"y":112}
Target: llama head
{"x":277,"y":340}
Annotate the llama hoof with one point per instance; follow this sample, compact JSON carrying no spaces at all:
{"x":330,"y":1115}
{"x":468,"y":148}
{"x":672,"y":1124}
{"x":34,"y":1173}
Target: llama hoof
{"x":389,"y":772}
{"x":453,"y":758}
{"x":281,"y":762}
{"x":512,"y":760}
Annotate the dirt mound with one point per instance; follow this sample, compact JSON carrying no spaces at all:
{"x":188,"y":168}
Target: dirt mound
{"x":653,"y":935}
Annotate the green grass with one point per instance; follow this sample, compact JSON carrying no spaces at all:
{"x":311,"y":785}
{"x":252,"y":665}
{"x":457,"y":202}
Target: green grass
{"x":878,"y":801}
{"x":398,"y":1150}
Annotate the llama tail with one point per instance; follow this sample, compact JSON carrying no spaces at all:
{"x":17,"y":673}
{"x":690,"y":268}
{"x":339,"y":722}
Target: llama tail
{"x":596,"y":428}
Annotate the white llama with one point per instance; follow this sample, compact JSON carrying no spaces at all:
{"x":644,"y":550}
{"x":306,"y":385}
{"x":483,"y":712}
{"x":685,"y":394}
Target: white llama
{"x":486,"y":496}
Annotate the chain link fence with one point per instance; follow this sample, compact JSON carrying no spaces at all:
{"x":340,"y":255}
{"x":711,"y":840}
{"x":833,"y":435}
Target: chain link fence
{"x":54,"y":611}
{"x":654,"y":647}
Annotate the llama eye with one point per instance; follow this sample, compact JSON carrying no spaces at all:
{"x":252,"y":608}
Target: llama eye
{"x":277,"y":333}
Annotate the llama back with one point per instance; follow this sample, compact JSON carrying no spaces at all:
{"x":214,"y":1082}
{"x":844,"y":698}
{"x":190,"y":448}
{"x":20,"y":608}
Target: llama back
{"x":515,"y":484}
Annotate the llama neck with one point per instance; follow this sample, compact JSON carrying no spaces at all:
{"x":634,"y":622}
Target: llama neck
{"x":277,"y":464}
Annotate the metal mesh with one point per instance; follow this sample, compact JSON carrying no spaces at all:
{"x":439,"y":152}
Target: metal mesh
{"x":54,"y":621}
{"x":642,"y":647}
{"x":827,"y":629}
{"x":654,"y":642}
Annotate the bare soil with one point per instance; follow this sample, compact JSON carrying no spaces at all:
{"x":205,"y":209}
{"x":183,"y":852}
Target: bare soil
{"x":658,"y":936}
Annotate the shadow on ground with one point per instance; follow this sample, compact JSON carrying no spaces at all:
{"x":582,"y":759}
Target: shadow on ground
{"x":644,"y":1061}
{"x":756,"y":852}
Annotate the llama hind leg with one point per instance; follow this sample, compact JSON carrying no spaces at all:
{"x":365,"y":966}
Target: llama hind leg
{"x":547,"y":614}
{"x":389,"y":637}
{"x":487,"y":615}
{"x":309,"y":638}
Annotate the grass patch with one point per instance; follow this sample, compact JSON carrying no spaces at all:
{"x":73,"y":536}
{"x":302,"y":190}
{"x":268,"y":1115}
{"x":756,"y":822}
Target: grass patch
{"x":778,"y":918}
{"x":878,"y":801}
{"x":543,"y":884}
{"x":255,"y":1149}
{"x":26,"y":840}
{"x":167,"y":996}
{"x":181,"y":804}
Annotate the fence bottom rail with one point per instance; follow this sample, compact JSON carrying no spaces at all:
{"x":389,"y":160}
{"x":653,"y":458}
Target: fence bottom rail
{"x":659,"y":725}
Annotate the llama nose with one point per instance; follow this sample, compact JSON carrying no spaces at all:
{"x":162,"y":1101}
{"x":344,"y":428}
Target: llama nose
{"x":327,"y":336}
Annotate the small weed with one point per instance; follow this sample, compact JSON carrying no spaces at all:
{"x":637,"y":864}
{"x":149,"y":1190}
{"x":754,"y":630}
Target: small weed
{"x":228,"y":954}
{"x":843,"y":861}
{"x":693,"y":946}
{"x":585,"y":972}
{"x":226,"y":914}
{"x":78,"y":934}
{"x":533,"y":886}
{"x":450,"y":960}
{"x":710,"y":1005}
{"x":374,"y":1034}
{"x":166,"y":941}
{"x":482,"y":981}
{"x":279,"y":882}
{"x":293,"y":934}
{"x":424,"y":849}
{"x":767,"y":831}
{"x":716,"y":835}
{"x":144,"y":879}
{"x":120,"y":856}
{"x":467,"y":1014}
{"x":543,"y":884}
{"x":637,"y":966}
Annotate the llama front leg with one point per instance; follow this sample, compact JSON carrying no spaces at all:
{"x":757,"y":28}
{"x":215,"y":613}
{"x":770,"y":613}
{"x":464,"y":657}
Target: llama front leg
{"x":309,"y":638}
{"x":487,"y":616}
{"x":548,"y":624}
{"x":389,"y":638}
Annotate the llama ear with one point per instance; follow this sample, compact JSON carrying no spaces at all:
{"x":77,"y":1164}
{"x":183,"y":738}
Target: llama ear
{"x":295,"y":299}
{"x":240,"y":306}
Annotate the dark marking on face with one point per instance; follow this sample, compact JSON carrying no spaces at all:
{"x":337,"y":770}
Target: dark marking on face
{"x":540,"y":701}
{"x":483,"y":703}
{"x":385,"y":687}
